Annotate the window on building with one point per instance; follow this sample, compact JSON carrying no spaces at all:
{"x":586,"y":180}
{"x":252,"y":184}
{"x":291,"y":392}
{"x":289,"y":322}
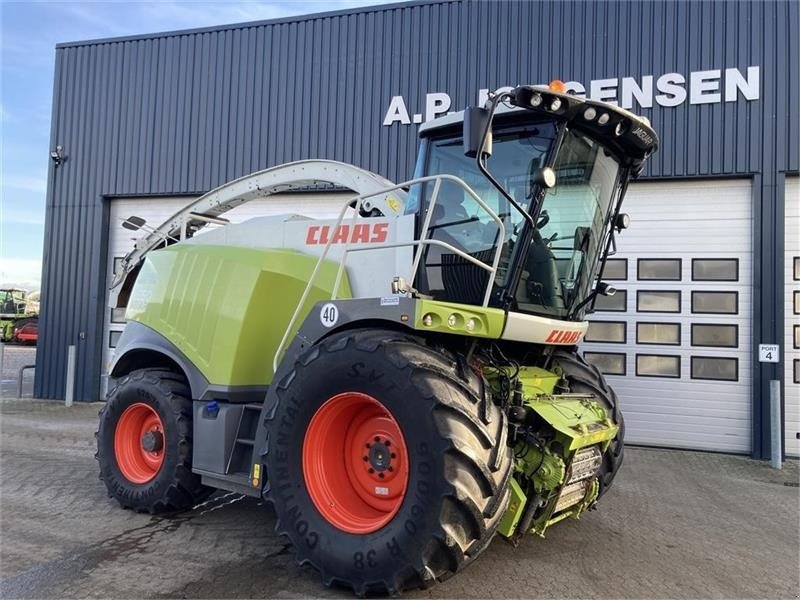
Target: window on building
{"x":716,"y":368}
{"x":658,"y":365}
{"x":609,"y":363}
{"x":612,"y":332}
{"x":616,"y":269}
{"x":656,"y":301}
{"x":658,"y":333}
{"x":616,"y":303}
{"x":113,"y":338}
{"x":721,"y":336}
{"x":658,"y":269}
{"x":796,"y":268}
{"x":797,"y":337}
{"x":721,"y":303}
{"x":715,"y":269}
{"x":118,"y":315}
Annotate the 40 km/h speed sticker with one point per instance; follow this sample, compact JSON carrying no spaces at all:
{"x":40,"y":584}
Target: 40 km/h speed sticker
{"x":329,"y":315}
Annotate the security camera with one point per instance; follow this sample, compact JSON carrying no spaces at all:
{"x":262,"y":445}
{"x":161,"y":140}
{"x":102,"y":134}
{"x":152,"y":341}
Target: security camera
{"x":58,"y":155}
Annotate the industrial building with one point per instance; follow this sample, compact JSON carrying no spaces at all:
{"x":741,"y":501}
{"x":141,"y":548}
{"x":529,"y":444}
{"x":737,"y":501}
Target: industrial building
{"x":708,"y":272}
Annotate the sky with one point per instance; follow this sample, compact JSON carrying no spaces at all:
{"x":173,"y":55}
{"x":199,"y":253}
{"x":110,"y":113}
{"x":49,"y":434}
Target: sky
{"x":29,"y":32}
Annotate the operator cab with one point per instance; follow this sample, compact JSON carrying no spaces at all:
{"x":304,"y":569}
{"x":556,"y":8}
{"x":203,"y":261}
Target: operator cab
{"x":554,"y":169}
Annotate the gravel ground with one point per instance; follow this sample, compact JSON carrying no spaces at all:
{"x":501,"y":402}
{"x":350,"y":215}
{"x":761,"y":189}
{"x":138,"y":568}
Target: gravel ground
{"x":675,"y":525}
{"x":15,"y":357}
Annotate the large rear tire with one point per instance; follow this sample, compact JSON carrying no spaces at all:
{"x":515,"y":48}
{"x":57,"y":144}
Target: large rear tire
{"x":144,"y":443}
{"x":584,"y":378}
{"x":439,"y":507}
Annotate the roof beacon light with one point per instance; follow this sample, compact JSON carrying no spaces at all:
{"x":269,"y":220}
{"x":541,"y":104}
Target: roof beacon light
{"x":558,"y":86}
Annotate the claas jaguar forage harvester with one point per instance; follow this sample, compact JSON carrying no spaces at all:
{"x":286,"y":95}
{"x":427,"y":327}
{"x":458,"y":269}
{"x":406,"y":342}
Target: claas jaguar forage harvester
{"x":400,"y":383}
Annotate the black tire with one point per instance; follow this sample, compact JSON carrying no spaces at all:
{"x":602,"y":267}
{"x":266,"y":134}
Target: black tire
{"x":584,"y":378}
{"x":174,"y":487}
{"x":460,"y":463}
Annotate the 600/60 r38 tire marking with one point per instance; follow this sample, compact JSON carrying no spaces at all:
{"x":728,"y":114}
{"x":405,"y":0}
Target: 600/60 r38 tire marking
{"x":458,"y":465}
{"x":144,"y":443}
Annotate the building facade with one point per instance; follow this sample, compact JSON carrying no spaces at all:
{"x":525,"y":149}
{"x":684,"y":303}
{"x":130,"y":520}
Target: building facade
{"x":709,"y":271}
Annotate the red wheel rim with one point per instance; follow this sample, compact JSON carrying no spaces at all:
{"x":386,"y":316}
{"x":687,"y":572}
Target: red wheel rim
{"x":139,"y":443}
{"x":355,"y":463}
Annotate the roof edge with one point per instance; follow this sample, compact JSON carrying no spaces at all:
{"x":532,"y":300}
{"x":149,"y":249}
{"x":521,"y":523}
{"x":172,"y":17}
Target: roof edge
{"x":250,"y":24}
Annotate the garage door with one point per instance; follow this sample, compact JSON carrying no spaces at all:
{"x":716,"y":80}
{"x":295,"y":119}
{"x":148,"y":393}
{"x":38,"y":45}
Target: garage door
{"x":157,"y":210}
{"x":792,"y":310}
{"x":675,"y":339}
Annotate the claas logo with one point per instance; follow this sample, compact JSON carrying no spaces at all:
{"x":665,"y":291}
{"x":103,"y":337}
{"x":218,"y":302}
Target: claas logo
{"x":559,"y":336}
{"x":363,"y":233}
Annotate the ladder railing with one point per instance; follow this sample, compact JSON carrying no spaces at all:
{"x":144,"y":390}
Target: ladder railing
{"x":356,"y":204}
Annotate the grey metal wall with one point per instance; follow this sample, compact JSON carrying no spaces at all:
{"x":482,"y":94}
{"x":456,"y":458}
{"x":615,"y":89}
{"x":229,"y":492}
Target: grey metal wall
{"x":185,"y":111}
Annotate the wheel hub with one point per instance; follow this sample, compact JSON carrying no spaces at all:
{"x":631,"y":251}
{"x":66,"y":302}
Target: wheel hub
{"x":380,"y":457}
{"x":153,"y":441}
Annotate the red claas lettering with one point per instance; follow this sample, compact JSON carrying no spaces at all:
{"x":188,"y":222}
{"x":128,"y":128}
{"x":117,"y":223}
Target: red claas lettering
{"x":362,"y":233}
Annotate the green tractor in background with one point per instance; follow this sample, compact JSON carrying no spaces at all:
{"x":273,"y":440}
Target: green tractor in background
{"x":400,"y":383}
{"x":19,"y":311}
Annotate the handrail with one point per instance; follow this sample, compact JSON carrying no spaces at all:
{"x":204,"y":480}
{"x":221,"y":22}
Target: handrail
{"x":355,"y":203}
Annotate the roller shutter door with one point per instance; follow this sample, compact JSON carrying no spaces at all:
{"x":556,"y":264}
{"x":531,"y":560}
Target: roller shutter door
{"x":157,"y":210}
{"x":792,"y":311}
{"x":675,"y":340}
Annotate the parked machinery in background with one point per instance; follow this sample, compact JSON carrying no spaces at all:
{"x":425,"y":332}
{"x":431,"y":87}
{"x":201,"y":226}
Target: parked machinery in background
{"x":19,"y":313}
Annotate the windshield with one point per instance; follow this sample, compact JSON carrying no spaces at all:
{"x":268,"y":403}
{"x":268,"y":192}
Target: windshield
{"x":569,"y":234}
{"x":558,"y":264}
{"x":458,"y":220}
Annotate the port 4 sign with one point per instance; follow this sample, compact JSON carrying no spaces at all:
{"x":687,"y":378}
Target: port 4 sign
{"x":769,"y":353}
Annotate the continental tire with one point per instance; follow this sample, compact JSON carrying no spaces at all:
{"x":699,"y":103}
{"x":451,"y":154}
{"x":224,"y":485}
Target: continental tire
{"x":447,"y":436}
{"x":582,"y":377}
{"x":144,"y":443}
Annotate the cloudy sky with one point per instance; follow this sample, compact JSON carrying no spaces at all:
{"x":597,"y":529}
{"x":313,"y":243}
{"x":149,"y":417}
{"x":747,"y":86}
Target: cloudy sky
{"x":29,"y":32}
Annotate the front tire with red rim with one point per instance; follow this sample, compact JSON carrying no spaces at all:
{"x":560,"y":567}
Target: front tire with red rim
{"x":144,"y":443}
{"x":387,"y":464}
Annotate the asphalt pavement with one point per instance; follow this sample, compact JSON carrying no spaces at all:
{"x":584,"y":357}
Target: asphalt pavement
{"x":675,"y":525}
{"x":13,"y":358}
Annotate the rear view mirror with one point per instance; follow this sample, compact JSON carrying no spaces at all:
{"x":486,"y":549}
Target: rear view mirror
{"x":134,"y":223}
{"x":476,"y":121}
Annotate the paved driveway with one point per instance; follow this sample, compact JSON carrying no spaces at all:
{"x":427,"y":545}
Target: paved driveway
{"x":675,"y":525}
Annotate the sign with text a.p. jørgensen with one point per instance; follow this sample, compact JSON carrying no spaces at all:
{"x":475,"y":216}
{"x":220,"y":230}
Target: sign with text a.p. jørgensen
{"x":713,"y":86}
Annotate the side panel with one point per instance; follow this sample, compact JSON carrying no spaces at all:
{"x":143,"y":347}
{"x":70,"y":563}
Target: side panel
{"x":791,"y":381}
{"x":226,"y":308}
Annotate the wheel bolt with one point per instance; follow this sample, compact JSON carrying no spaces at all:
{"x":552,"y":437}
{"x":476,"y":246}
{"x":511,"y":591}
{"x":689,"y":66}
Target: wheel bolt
{"x":372,"y":470}
{"x":391,"y":468}
{"x":380,"y":475}
{"x":377,"y":439}
{"x":366,"y":445}
{"x":388,"y":443}
{"x":366,"y":459}
{"x":394,"y":455}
